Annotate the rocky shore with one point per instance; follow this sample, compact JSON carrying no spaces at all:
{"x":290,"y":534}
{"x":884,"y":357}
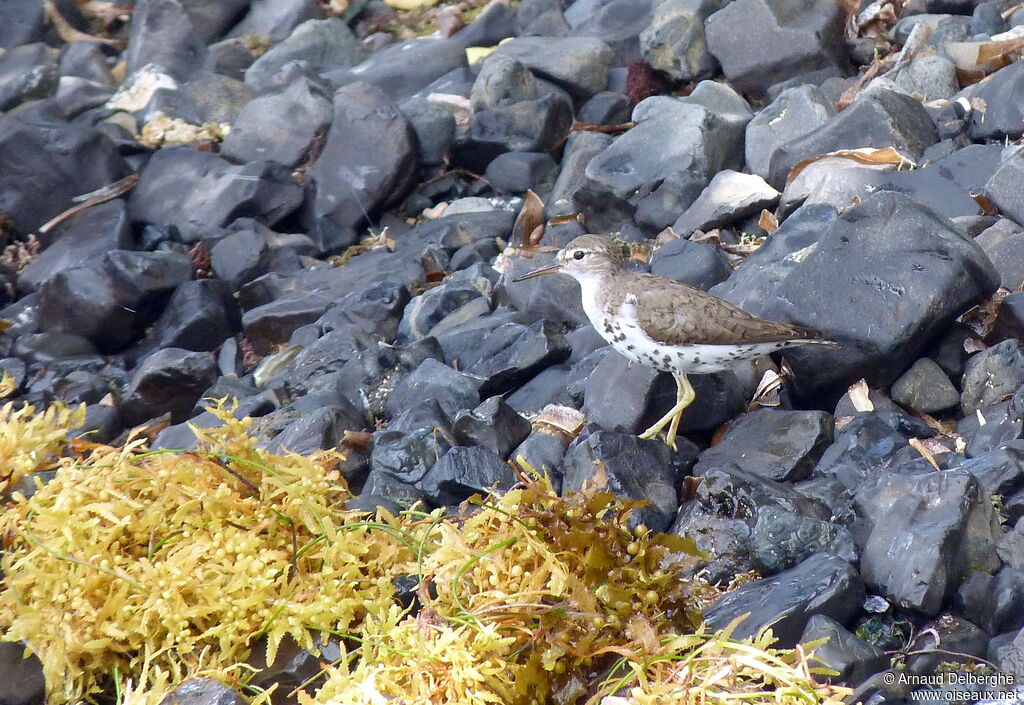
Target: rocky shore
{"x":299,"y":205}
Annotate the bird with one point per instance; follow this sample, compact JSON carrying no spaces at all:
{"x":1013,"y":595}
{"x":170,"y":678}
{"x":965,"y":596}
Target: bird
{"x":667,"y":325}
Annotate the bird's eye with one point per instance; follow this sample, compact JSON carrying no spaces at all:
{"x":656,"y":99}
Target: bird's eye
{"x":578,"y":254}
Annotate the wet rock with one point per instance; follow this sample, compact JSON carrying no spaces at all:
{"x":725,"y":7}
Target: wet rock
{"x":514,"y":353}
{"x":363,"y":115}
{"x":926,"y":539}
{"x":203,"y":691}
{"x":1001,"y":189}
{"x":605,"y":108}
{"x":879,"y":119}
{"x":502,"y":81}
{"x":401,"y":70}
{"x":821,"y":585}
{"x":494,"y":425}
{"x":993,"y":602}
{"x":580,"y":148}
{"x":169,"y":380}
{"x":27,"y":72}
{"x":925,"y":387}
{"x":888,"y":265}
{"x":674,"y":42}
{"x":853,"y":658}
{"x":616,"y":394}
{"x":280,"y":125}
{"x":730,"y":196}
{"x":866,"y":443}
{"x":22,"y":682}
{"x":428,"y":313}
{"x":465,"y":471}
{"x":781,"y":539}
{"x":527,"y":126}
{"x":321,"y":428}
{"x":577,"y":64}
{"x":325,"y":44}
{"x":435,"y":380}
{"x":761,"y":42}
{"x":86,"y":60}
{"x":162,"y":33}
{"x":636,"y":468}
{"x":109,"y":300}
{"x":720,"y":396}
{"x":44,"y":166}
{"x":405,"y":456}
{"x":992,"y":375}
{"x":544,"y":453}
{"x":701,"y":265}
{"x":91,"y":233}
{"x":1004,"y":107}
{"x":496,"y":22}
{"x":777,"y":444}
{"x":195,"y":191}
{"x":434,"y":128}
{"x":276,"y":18}
{"x":518,"y":171}
{"x":660,"y":166}
{"x":965,"y":640}
{"x":199,"y":316}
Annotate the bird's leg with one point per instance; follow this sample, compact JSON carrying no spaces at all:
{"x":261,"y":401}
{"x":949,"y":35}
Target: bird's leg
{"x":684,"y":397}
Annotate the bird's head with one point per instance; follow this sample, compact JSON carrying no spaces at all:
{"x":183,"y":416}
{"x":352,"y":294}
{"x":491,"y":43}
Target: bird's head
{"x":585,"y":257}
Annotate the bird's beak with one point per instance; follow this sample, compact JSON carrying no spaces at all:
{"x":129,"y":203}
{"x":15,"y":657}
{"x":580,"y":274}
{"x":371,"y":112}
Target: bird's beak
{"x":550,"y":269}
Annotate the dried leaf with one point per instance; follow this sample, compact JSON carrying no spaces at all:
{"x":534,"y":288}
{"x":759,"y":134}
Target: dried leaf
{"x":945,"y":428}
{"x":768,"y":389}
{"x":865,"y":155}
{"x":475,"y":54}
{"x":93,"y":198}
{"x":410,"y":4}
{"x":69,"y":33}
{"x":984,"y":203}
{"x":564,"y":219}
{"x":925,"y":452}
{"x":536,"y":236}
{"x":360,"y":440}
{"x":982,"y":317}
{"x":997,"y":54}
{"x":530,"y":217}
{"x":860,"y":396}
{"x":5,"y":325}
{"x":621,"y":127}
{"x":768,"y":222}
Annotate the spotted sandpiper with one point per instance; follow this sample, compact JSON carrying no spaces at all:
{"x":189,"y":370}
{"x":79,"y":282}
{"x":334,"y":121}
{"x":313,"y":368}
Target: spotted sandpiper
{"x":665,"y":324}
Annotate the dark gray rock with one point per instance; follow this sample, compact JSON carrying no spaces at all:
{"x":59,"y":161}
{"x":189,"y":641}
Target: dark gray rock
{"x":325,"y":44}
{"x":443,"y":306}
{"x":1012,"y":660}
{"x":781,"y":539}
{"x":674,"y":42}
{"x":200,"y":316}
{"x":404,"y":68}
{"x":636,"y":468}
{"x":577,"y":64}
{"x":541,"y":18}
{"x":1001,"y":188}
{"x":894,"y":274}
{"x":162,"y":33}
{"x":729,"y":197}
{"x":925,"y":387}
{"x":465,"y":471}
{"x":518,"y":171}
{"x":515,"y":353}
{"x":280,"y":125}
{"x":169,"y":380}
{"x":675,"y":147}
{"x":406,"y":456}
{"x":91,"y":233}
{"x":213,"y":19}
{"x":853,"y":658}
{"x":27,"y":72}
{"x":206,"y":97}
{"x":318,"y":429}
{"x":580,"y":148}
{"x":111,"y":299}
{"x":928,"y":538}
{"x":496,"y":22}
{"x":994,"y":603}
{"x":44,"y":166}
{"x":866,"y":443}
{"x":880,"y":118}
{"x":605,"y":108}
{"x":502,"y":81}
{"x":616,"y":394}
{"x":1004,"y":108}
{"x":794,"y":113}
{"x":86,"y":60}
{"x":699,"y":264}
{"x":276,"y":19}
{"x":23,"y":681}
{"x":196,"y":191}
{"x":618,"y":23}
{"x":761,"y":42}
{"x":435,"y":380}
{"x":544,"y":453}
{"x":992,"y":375}
{"x":821,"y":585}
{"x":203,"y":691}
{"x":494,"y":425}
{"x":434,"y":128}
{"x":965,"y":640}
{"x":230,"y":57}
{"x":1010,"y":318}
{"x":527,"y":126}
{"x":777,"y":444}
{"x":363,"y":115}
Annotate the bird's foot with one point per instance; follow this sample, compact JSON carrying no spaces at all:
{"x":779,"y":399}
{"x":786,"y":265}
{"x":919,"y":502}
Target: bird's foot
{"x":655,"y":432}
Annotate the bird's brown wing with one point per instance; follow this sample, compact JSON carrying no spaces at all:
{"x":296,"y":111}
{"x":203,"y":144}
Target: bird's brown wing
{"x":678,"y":314}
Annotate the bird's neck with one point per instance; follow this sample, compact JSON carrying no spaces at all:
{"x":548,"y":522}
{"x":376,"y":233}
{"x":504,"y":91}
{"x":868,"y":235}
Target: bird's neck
{"x":593,"y":291}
